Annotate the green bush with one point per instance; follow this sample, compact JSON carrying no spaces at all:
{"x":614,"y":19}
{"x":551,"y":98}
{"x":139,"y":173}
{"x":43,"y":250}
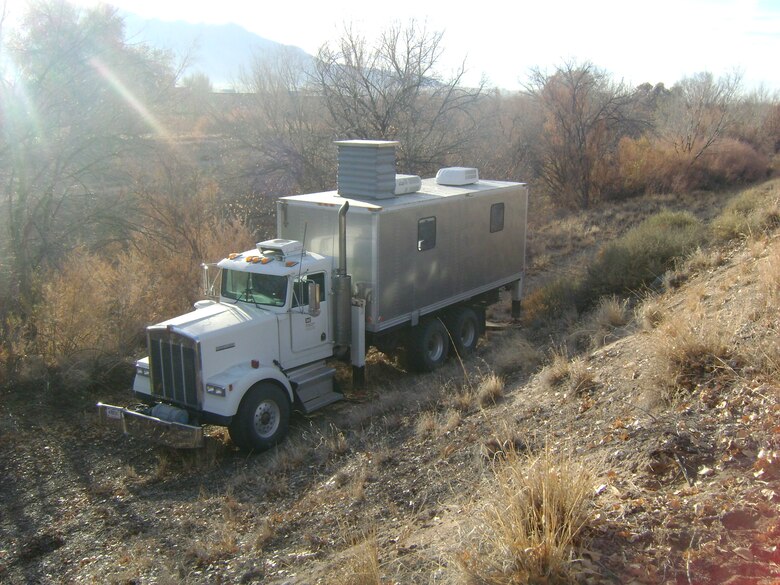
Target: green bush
{"x":752,"y":212}
{"x":623,"y":266}
{"x":641,"y":255}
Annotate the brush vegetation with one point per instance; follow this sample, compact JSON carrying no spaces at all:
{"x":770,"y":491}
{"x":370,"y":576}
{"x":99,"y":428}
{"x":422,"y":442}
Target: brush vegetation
{"x":530,"y":520}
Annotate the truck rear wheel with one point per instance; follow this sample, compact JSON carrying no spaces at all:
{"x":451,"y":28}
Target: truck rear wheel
{"x":465,"y":328}
{"x":262,"y":419}
{"x":428,"y":346}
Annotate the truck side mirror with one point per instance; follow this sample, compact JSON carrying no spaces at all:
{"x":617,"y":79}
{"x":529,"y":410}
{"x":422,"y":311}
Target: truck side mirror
{"x":314,"y":298}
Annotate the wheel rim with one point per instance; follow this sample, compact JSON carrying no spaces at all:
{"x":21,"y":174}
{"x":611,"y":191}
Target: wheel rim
{"x":266,"y":419}
{"x":468,"y":333}
{"x":435,"y":347}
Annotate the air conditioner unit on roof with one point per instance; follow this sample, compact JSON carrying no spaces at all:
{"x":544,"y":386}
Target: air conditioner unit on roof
{"x":457,"y":176}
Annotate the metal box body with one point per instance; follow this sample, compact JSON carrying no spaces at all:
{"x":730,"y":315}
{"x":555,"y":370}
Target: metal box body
{"x":400,"y":277}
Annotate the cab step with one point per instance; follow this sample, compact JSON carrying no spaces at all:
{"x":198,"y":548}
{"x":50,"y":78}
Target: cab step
{"x":313,"y":386}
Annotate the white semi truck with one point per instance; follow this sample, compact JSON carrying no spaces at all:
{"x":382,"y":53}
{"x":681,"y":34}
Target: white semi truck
{"x":386,"y":260}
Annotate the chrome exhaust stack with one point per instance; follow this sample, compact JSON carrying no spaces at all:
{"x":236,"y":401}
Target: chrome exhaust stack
{"x":342,"y":289}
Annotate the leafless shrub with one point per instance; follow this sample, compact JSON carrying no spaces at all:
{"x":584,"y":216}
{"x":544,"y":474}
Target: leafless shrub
{"x":96,"y":305}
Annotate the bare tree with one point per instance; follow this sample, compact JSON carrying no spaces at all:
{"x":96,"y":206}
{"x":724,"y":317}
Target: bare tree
{"x":585,"y":113}
{"x":80,"y":99}
{"x":509,"y":126}
{"x":392,"y":90}
{"x":698,"y":112}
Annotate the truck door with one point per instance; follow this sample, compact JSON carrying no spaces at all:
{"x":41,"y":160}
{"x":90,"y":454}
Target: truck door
{"x":309,"y":327}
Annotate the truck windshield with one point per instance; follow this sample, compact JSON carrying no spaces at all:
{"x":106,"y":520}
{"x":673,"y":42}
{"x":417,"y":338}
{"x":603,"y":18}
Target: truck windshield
{"x":250,"y":287}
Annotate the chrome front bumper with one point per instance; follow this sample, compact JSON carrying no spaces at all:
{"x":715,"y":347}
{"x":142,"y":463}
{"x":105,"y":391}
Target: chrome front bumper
{"x":147,"y":427}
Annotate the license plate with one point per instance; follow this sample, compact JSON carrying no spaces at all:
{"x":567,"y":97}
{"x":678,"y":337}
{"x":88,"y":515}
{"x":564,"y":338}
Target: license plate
{"x":115,"y":413}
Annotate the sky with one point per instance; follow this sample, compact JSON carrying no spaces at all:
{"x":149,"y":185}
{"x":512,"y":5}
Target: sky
{"x":637,"y":42}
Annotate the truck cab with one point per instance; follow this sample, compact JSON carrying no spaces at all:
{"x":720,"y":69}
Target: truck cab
{"x":262,"y":338}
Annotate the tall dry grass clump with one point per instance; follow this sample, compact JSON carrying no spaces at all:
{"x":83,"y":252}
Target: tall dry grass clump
{"x":531,"y":521}
{"x":692,"y":352}
{"x":360,"y":565}
{"x":603,"y":324}
{"x":490,"y":389}
{"x":571,"y":376}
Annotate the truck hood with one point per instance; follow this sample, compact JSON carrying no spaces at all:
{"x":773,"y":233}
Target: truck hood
{"x":213,"y":320}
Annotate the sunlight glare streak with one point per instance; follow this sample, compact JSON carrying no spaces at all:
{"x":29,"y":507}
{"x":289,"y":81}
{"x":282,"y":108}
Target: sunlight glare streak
{"x":18,"y":111}
{"x":122,"y":90}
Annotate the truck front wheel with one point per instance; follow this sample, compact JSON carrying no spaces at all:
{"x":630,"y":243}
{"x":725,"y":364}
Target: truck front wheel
{"x":262,"y":419}
{"x":428,"y":346}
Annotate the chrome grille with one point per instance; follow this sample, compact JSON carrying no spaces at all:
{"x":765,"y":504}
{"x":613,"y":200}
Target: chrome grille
{"x":174,"y":363}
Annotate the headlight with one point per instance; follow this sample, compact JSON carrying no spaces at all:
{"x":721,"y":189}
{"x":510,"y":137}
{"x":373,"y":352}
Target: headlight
{"x":215,"y":389}
{"x":141,"y":370}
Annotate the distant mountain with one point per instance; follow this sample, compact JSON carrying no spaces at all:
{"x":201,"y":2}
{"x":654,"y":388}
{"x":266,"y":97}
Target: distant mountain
{"x":221,"y":51}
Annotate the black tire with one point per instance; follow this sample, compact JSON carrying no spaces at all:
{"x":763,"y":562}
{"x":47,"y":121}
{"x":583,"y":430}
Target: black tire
{"x":465,"y":329}
{"x":262,"y":419}
{"x":428,"y":346}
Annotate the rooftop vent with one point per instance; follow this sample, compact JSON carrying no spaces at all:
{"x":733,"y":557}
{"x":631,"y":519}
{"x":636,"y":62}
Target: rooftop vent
{"x":366,"y":168}
{"x":285,"y":247}
{"x":405,"y":184}
{"x":457,"y":176}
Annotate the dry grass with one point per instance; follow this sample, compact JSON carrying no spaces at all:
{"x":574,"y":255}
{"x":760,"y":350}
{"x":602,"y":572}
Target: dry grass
{"x":650,"y":314}
{"x":530,"y":524}
{"x":752,"y":213}
{"x":360,"y":565}
{"x":704,"y":259}
{"x":264,"y":533}
{"x":693,"y":352}
{"x":570,"y":376}
{"x":426,"y":424}
{"x":464,"y":400}
{"x":430,"y":423}
{"x":490,"y":390}
{"x":556,"y":372}
{"x":602,"y":325}
{"x":513,"y":353}
{"x":768,"y":357}
{"x":451,"y":420}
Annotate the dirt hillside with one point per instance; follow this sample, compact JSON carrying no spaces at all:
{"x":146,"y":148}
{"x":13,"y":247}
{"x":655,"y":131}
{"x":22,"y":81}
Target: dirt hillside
{"x":669,"y":403}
